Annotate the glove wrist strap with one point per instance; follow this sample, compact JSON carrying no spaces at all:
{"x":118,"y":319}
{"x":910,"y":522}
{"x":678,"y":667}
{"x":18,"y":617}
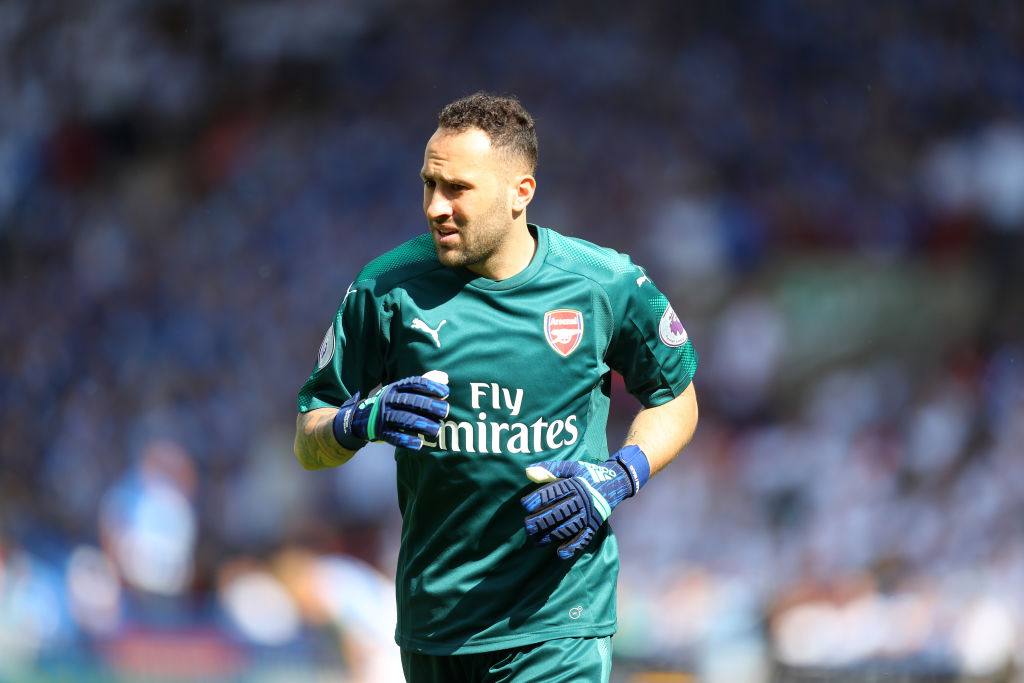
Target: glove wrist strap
{"x":634,"y":462}
{"x":342,"y":426}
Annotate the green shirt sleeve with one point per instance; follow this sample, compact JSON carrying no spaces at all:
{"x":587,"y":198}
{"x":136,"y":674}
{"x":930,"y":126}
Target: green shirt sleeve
{"x":650,"y":349}
{"x":352,"y":353}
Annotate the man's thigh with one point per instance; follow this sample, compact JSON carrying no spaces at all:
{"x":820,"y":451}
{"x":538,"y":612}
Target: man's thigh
{"x":563,"y":660}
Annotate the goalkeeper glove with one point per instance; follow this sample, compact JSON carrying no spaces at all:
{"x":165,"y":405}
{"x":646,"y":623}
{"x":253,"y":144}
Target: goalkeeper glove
{"x":397,"y":414}
{"x":578,"y":497}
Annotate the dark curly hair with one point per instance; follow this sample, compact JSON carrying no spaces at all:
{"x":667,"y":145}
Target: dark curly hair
{"x":507,"y":124}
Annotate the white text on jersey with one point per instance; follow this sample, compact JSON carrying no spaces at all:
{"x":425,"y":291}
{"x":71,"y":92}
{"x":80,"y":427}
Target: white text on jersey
{"x":501,"y":437}
{"x":511,"y":401}
{"x":488,"y":435}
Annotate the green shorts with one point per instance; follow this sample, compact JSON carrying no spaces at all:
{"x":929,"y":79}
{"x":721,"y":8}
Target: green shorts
{"x":563,"y":660}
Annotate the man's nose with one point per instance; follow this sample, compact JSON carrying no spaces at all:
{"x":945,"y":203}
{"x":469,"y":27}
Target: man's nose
{"x":437,"y":206}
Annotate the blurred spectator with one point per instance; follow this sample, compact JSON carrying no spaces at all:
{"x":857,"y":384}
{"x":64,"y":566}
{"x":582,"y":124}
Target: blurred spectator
{"x":34,"y":619}
{"x":148,"y":523}
{"x":354,"y":600}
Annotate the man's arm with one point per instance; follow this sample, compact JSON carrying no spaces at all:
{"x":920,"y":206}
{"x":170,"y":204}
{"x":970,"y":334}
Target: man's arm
{"x":399,"y":414}
{"x":315,"y":444}
{"x":663,"y":431}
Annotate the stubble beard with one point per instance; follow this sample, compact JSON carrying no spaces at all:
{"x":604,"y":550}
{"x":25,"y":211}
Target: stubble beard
{"x":478,"y":240}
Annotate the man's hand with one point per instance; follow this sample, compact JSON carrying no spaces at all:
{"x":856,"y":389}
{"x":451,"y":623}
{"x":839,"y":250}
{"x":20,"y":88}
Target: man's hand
{"x":395,"y":414}
{"x":578,"y":497}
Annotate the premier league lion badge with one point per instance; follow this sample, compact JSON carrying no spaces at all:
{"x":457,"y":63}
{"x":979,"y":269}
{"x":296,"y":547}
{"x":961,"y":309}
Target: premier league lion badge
{"x":671,"y":330}
{"x":563,"y":328}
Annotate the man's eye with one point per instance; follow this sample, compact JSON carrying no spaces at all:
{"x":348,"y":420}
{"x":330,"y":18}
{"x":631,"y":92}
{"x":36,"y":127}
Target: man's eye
{"x":428,"y":183}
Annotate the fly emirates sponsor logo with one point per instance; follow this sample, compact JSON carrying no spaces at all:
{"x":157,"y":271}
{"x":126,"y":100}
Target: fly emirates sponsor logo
{"x":500,"y":433}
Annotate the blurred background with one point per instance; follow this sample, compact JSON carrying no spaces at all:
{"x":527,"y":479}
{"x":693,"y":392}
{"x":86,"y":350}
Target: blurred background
{"x":831,"y":194}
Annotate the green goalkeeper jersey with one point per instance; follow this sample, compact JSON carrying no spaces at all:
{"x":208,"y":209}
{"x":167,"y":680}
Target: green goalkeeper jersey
{"x":529,"y":362}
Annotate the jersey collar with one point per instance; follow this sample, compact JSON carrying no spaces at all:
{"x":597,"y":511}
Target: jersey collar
{"x":523,"y":276}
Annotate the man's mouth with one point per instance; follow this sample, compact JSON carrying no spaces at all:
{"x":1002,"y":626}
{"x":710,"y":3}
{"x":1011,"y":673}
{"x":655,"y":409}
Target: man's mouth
{"x":445,"y":234}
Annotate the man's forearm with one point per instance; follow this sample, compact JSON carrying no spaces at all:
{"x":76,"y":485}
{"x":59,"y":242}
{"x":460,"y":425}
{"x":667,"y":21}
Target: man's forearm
{"x":662,"y":431}
{"x":315,"y":445}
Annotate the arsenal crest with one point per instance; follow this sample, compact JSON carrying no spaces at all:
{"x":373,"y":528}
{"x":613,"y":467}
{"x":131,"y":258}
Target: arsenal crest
{"x":563,"y":328}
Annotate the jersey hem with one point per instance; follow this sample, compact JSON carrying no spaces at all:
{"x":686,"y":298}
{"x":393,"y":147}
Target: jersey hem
{"x":314,"y":404}
{"x":433,"y":647}
{"x":662,"y":397}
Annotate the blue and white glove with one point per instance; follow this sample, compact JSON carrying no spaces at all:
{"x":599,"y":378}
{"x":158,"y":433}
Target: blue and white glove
{"x":397,"y":414}
{"x":578,"y":497}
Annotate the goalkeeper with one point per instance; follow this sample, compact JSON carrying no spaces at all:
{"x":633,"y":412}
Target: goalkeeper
{"x":483,"y":352}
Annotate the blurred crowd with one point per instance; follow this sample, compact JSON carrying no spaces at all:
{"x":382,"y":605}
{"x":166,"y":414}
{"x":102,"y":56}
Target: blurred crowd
{"x":831,"y":194}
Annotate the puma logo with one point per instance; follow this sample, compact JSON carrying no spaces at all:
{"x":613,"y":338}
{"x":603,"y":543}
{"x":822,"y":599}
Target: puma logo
{"x":418,"y":324}
{"x":643,"y":277}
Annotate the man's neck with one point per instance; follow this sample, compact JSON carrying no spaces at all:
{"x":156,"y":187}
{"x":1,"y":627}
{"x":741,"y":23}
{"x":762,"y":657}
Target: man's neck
{"x":516,"y":254}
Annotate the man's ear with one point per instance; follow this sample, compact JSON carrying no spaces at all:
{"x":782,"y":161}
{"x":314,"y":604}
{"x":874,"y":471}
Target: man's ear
{"x":523,"y":192}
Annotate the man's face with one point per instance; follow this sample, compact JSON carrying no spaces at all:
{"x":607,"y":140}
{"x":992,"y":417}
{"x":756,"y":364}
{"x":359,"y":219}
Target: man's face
{"x":468,"y":190}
